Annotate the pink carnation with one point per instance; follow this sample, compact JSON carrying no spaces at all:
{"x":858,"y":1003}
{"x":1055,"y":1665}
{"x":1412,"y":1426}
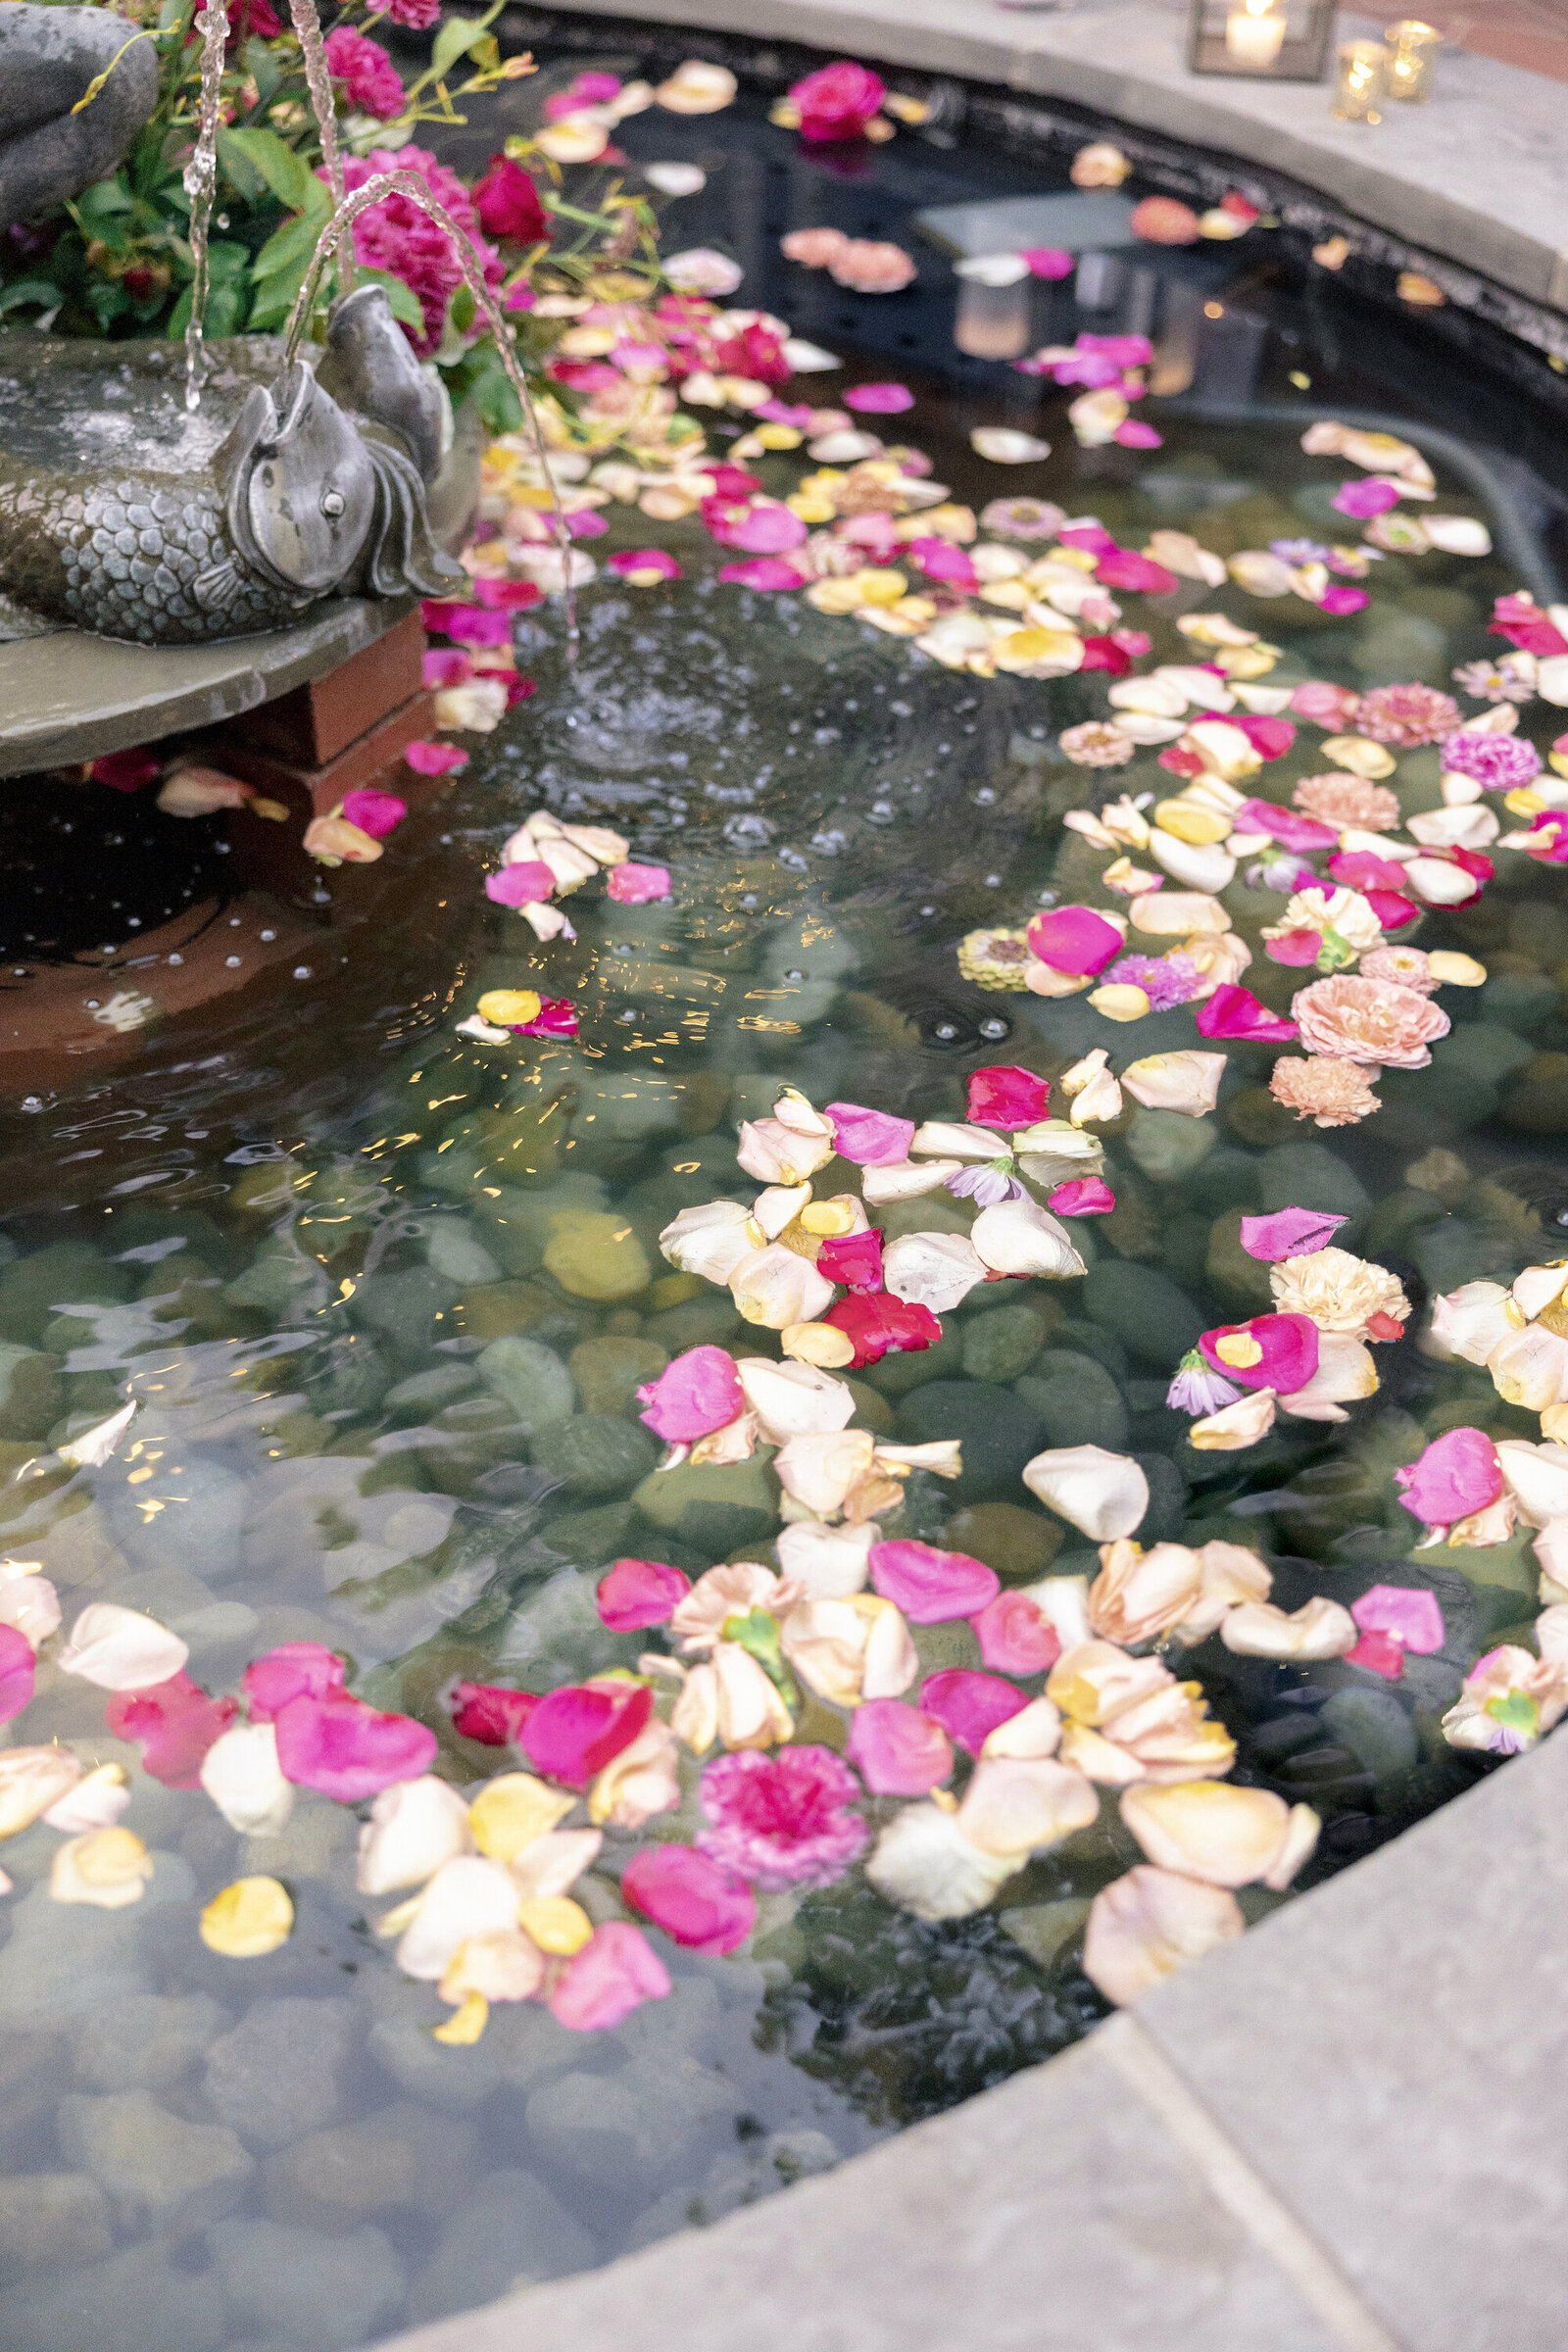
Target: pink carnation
{"x":369,"y":79}
{"x":1407,"y":716}
{"x":395,"y":235}
{"x":782,"y":1819}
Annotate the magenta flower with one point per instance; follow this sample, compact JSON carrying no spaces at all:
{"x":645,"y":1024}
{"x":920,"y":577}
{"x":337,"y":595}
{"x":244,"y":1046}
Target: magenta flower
{"x":1234,"y":1011}
{"x":557,"y":1017}
{"x":1459,"y":1473}
{"x":416,"y":15}
{"x":1289,"y":1233}
{"x":174,"y":1723}
{"x":1049,"y":261}
{"x":896,"y":1750}
{"x":764,"y":571}
{"x":644,"y":565}
{"x":508,"y":203}
{"x":17,"y":1672}
{"x":434,"y":759}
{"x":876,"y":1324}
{"x":396,"y":236}
{"x":697,"y":1901}
{"x":1340,"y":599}
{"x":1015,"y":1636}
{"x":852,"y":1259}
{"x":1292,"y":948}
{"x":574,"y":1732}
{"x":871,"y":1138}
{"x":1092,"y":538}
{"x":377,"y":813}
{"x":631,"y":885}
{"x":1166,"y":980}
{"x":1361,"y":869}
{"x":490,"y":1714}
{"x":615,"y":1971}
{"x":1379,"y":1653}
{"x":479,"y":624}
{"x":1407,"y":1615}
{"x":930,"y":1585}
{"x":879,"y":400}
{"x":1198,"y":1391}
{"x":697,"y":1394}
{"x":639,"y":1592}
{"x":837,"y":101}
{"x":527,"y":883}
{"x":1498,"y":763}
{"x":1074,"y":940}
{"x":767,"y":531}
{"x":507,"y":596}
{"x":293,"y":1670}
{"x":940,"y":559}
{"x":1364,"y":498}
{"x":343,"y":1748}
{"x":1006,"y":1097}
{"x":1300,"y":834}
{"x":782,"y":1819}
{"x":370,"y":82}
{"x":1271,"y":1351}
{"x":446,"y":665}
{"x":1082,"y":1196}
{"x":1124,"y":569}
{"x":969,"y":1706}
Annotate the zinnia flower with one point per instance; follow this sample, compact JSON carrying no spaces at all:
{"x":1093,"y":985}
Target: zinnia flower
{"x":1166,"y":980}
{"x":1407,"y":716}
{"x":1348,"y":803}
{"x":782,"y":1821}
{"x":1332,"y":1092}
{"x":1371,"y":1021}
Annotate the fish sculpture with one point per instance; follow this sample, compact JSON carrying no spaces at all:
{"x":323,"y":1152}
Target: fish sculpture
{"x":125,"y":515}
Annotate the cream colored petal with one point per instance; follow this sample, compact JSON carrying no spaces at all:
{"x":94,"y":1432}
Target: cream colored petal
{"x":1145,"y":1925}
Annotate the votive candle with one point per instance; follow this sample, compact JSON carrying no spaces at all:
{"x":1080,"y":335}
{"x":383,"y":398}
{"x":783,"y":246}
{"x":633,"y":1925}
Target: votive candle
{"x":1360,"y":80}
{"x":1254,"y":36}
{"x":1413,"y":65}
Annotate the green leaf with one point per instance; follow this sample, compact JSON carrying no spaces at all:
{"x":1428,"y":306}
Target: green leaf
{"x":30,"y":289}
{"x":104,"y":201}
{"x":278,"y":167}
{"x":455,"y":40}
{"x":288,"y":249}
{"x":237,"y":168}
{"x":462,"y":309}
{"x":405,"y":302}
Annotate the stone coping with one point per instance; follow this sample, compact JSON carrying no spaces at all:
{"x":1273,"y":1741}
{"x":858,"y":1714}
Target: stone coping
{"x":1342,"y":2133}
{"x":69,"y":695}
{"x":1478,"y":177}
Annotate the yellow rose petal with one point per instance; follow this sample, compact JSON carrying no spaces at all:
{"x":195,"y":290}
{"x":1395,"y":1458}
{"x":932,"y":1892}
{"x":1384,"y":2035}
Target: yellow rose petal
{"x":509,"y":1008}
{"x":1452,"y":970}
{"x":469,"y":2024}
{"x":556,"y":1923}
{"x":827,"y":1217}
{"x":1190,"y":823}
{"x":107,"y":1868}
{"x":1361,"y":755}
{"x":513,"y":1812}
{"x":1120,"y":1001}
{"x":819,"y":1344}
{"x":881,"y":587}
{"x":248,"y":1919}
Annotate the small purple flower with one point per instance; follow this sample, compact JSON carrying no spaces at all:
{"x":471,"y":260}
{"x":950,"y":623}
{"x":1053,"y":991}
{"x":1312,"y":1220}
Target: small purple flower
{"x":1196,"y":1390}
{"x":1497,"y":762}
{"x":1299,"y":551}
{"x":1166,"y":980}
{"x":989,"y":1184}
{"x":1495,"y":681}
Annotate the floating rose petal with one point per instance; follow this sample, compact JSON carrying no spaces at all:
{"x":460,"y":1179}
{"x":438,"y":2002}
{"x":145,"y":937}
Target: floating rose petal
{"x":120,"y":1649}
{"x":614,"y":1973}
{"x":293,"y":1670}
{"x":871,"y":1138}
{"x":1406,"y":1613}
{"x":1074,"y":940}
{"x":377,"y":813}
{"x":877,"y":1325}
{"x":125,"y":771}
{"x":1365,"y":498}
{"x":929,"y":1586}
{"x":764,"y":572}
{"x":644,"y":567}
{"x":1015,"y":1636}
{"x":1006,"y":1097}
{"x":640,"y":1593}
{"x":493,"y":1716}
{"x":632,"y":885}
{"x":1234,"y":1011}
{"x":852,"y":1259}
{"x":879,"y":400}
{"x":1303,"y":834}
{"x":174,"y":1724}
{"x":1271,"y":1351}
{"x":898,"y":1750}
{"x":1380,"y":1655}
{"x":1341,"y":600}
{"x":1082,"y":1196}
{"x":348,"y":1750}
{"x":506,"y":596}
{"x":434,"y":759}
{"x":1134,"y":433}
{"x":574,"y":1732}
{"x":700,"y":1392}
{"x":17,"y":1671}
{"x":698,"y":1902}
{"x":526,"y":883}
{"x":969,"y":1706}
{"x":1459,"y":1473}
{"x":1289,"y":1233}
{"x":1294,"y":947}
{"x":1049,"y":261}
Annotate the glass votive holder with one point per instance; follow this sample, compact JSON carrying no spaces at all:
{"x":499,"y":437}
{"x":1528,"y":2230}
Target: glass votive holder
{"x":1412,"y":71}
{"x":1360,"y":80}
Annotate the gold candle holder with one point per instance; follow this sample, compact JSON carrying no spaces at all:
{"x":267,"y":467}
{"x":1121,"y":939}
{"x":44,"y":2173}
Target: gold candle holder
{"x":1413,"y":60}
{"x":1360,"y":80}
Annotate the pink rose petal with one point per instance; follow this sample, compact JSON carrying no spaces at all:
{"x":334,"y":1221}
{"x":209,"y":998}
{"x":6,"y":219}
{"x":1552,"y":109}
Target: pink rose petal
{"x":1289,"y":1233}
{"x":17,"y":1672}
{"x":1075,"y":941}
{"x":527,"y":883}
{"x":930,"y":1585}
{"x":574,"y":1732}
{"x":640,"y":1593}
{"x":434,"y":759}
{"x":1406,"y":1613}
{"x":446,"y":665}
{"x":486,"y":1712}
{"x":1289,"y":1352}
{"x":877,"y":1325}
{"x":871,"y":1138}
{"x":348,"y":1750}
{"x":174,"y":1724}
{"x":614,"y":1973}
{"x":852,"y":1259}
{"x":896,"y":1750}
{"x":377,"y":813}
{"x":698,"y":1902}
{"x":1379,"y":1654}
{"x":1295,"y":947}
{"x":1082,"y":1196}
{"x":697,"y":1394}
{"x":1006,"y":1097}
{"x":506,"y":596}
{"x":879,"y":400}
{"x":1364,"y":498}
{"x":293,"y":1670}
{"x":1049,"y":261}
{"x":1234,"y":1011}
{"x":764,"y":571}
{"x":1303,"y":834}
{"x":632,"y":885}
{"x":1459,"y":1473}
{"x":969,"y":1706}
{"x":1015,"y":1636}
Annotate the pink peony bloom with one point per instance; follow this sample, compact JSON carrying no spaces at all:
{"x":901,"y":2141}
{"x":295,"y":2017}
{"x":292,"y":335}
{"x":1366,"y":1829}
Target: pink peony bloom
{"x":17,"y":1672}
{"x":767,"y":572}
{"x":644,"y":565}
{"x":343,"y":1748}
{"x":1407,"y":716}
{"x":639,"y":1592}
{"x":575,"y":1731}
{"x":782,"y":1819}
{"x":631,"y":885}
{"x":698,"y":1902}
{"x":293,"y":1670}
{"x":434,"y":759}
{"x":871,"y":1138}
{"x":837,"y":101}
{"x":1286,"y":1358}
{"x":1289,"y":1233}
{"x":1356,"y":1019}
{"x":613,"y":1973}
{"x":869,"y":266}
{"x":969,"y":1706}
{"x":370,"y":82}
{"x":1458,"y":1473}
{"x":493,"y":1716}
{"x":929,"y":1586}
{"x":877,"y":1324}
{"x":1301,"y":834}
{"x":377,"y":813}
{"x":173,"y":1723}
{"x":852,"y":1259}
{"x":1006,"y":1097}
{"x":896,"y":1750}
{"x":1364,"y":498}
{"x":527,"y":883}
{"x":1082,"y":1196}
{"x":1074,"y":941}
{"x":1015,"y":1636}
{"x":508,"y":204}
{"x":395,"y":235}
{"x":1234,"y":1011}
{"x":699,"y":1393}
{"x":879,"y":400}
{"x":1406,"y":1613}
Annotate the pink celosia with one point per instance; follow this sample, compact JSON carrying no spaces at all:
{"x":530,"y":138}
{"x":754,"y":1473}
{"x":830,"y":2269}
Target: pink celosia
{"x":1271,"y":1351}
{"x":699,"y":1393}
{"x":575,"y":1731}
{"x":697,"y":1901}
{"x":1458,"y":1473}
{"x":293,"y":1670}
{"x":969,"y":1706}
{"x":613,"y":1973}
{"x":490,"y":1713}
{"x":640,"y":1593}
{"x":1015,"y":1636}
{"x":1289,"y":1233}
{"x":1006,"y":1097}
{"x":343,"y":1748}
{"x":872,"y":1139}
{"x":896,"y":1750}
{"x":930,"y":1585}
{"x":395,"y":235}
{"x":1074,"y":940}
{"x":782,"y":1819}
{"x":17,"y":1671}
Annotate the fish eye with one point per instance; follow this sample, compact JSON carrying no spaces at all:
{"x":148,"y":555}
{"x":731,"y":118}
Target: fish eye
{"x":332,"y":503}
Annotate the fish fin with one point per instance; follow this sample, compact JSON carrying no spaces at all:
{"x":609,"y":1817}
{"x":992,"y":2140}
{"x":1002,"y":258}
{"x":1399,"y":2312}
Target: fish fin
{"x":218,"y":587}
{"x":18,"y":621}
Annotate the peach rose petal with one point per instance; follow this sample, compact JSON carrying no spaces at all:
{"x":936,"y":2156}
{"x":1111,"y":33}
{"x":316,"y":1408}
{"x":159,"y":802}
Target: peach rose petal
{"x":1148,"y":1924}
